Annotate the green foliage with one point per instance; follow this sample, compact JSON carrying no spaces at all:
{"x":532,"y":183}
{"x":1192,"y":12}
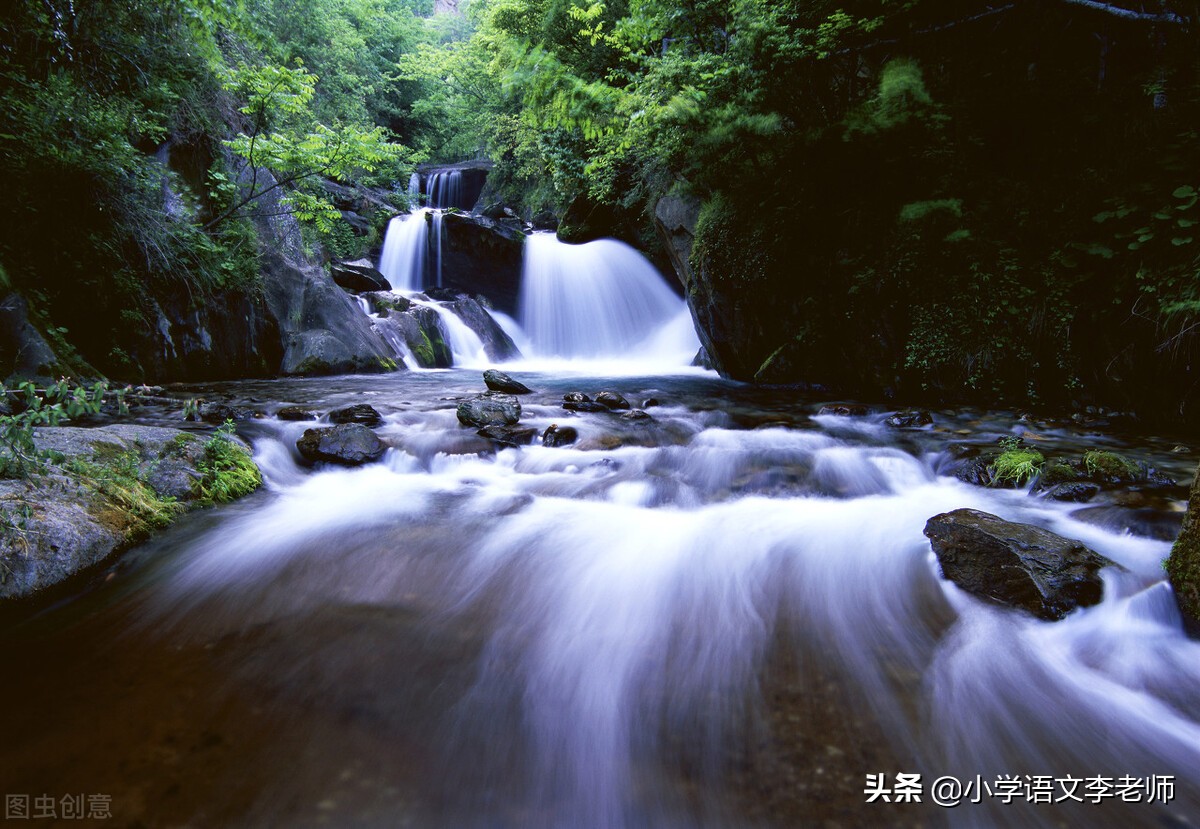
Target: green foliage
{"x":49,"y":406}
{"x":227,"y":470}
{"x":1016,"y":465}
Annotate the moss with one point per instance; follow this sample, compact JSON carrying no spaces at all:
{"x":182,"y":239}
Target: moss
{"x":125,"y":503}
{"x":1110,"y":467}
{"x":227,"y":470}
{"x":1060,"y":472}
{"x":1016,"y":467}
{"x":424,"y":352}
{"x":387,"y":364}
{"x":1183,"y":565}
{"x":177,"y":446}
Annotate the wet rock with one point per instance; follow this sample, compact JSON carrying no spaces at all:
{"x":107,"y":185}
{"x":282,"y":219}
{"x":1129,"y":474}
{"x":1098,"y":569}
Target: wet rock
{"x":358,"y":413}
{"x":636,"y":414}
{"x":976,"y":471}
{"x":650,"y":401}
{"x":71,"y":517}
{"x":218,"y":413}
{"x":612,"y":400}
{"x":499,"y":381}
{"x":909,"y":419}
{"x":585,"y":406}
{"x":489,"y":408}
{"x":576,"y":397}
{"x":348,"y":444}
{"x":482,"y":257}
{"x":843,"y":410}
{"x":295,"y":413}
{"x":508,"y":435}
{"x":1078,"y":492}
{"x":1014,"y":564}
{"x":556,"y":435}
{"x":1147,"y":523}
{"x":360,"y":275}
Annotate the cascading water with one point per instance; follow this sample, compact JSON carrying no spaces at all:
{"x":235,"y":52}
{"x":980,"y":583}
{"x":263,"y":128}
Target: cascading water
{"x":445,"y":189}
{"x":601,"y":300}
{"x":706,"y":627}
{"x":404,"y":245}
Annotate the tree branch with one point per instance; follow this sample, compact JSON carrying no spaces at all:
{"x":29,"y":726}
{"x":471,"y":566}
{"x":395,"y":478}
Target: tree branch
{"x":1130,"y":14}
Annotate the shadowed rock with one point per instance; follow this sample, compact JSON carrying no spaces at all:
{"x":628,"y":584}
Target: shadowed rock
{"x":1016,"y":564}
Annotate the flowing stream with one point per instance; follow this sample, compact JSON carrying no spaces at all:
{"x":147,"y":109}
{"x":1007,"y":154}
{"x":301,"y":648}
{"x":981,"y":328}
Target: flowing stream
{"x":726,"y":616}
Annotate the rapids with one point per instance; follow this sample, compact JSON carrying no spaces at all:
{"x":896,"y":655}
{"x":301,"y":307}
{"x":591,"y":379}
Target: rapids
{"x":724,"y":617}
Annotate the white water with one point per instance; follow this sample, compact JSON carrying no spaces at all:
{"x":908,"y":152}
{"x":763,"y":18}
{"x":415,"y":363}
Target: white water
{"x":600,"y":301}
{"x":638,"y":593}
{"x":466,"y":348}
{"x":445,"y":189}
{"x":599,"y":308}
{"x":403,"y":258}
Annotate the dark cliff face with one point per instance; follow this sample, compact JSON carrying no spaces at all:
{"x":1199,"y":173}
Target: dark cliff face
{"x":482,"y":256}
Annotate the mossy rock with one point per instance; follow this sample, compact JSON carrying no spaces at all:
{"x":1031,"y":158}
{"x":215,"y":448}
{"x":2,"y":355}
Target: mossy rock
{"x":1183,"y":565}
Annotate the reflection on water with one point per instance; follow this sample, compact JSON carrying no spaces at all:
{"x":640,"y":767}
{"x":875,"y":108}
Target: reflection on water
{"x":727,"y":616}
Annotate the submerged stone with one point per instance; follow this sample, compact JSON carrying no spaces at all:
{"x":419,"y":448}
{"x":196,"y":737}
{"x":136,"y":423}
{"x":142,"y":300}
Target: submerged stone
{"x":1017,"y":565}
{"x":295,"y":413}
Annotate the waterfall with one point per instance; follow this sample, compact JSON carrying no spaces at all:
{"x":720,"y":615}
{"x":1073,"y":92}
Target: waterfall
{"x":403,"y":257}
{"x":445,"y":189}
{"x":600,"y":300}
{"x":414,"y":189}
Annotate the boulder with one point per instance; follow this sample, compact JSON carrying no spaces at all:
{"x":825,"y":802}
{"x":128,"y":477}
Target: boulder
{"x":358,"y":413}
{"x":576,"y":397}
{"x":508,"y":435}
{"x":636,"y":414}
{"x":612,"y":400}
{"x":1017,"y":565}
{"x":1183,"y":565}
{"x":114,"y":485}
{"x":348,"y":444}
{"x":359,"y":275}
{"x":489,"y":409}
{"x":418,"y":330}
{"x":556,"y":435}
{"x":499,"y":381}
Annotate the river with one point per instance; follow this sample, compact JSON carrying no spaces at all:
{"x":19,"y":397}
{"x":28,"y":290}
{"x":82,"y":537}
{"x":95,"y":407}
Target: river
{"x":726,"y":616}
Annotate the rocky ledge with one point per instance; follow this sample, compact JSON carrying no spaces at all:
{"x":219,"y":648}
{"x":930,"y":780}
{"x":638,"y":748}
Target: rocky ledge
{"x":103,"y":489}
